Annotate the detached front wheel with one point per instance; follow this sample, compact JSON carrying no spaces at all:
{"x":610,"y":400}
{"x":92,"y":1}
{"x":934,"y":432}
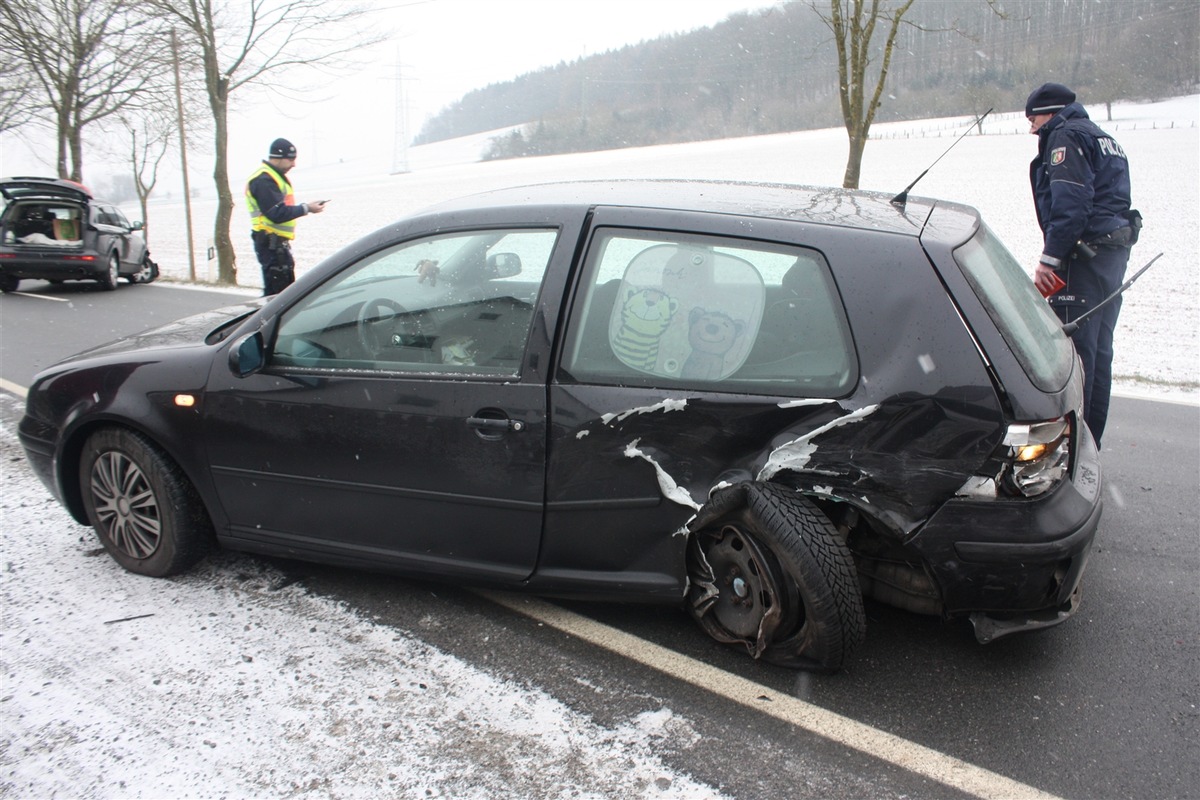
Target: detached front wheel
{"x":146,"y":273}
{"x":769,"y":573}
{"x":144,"y":510}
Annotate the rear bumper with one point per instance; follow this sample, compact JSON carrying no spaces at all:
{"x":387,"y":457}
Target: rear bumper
{"x":53,"y":266}
{"x":1012,"y":565}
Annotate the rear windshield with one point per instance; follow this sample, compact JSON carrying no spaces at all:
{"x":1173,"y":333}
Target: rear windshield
{"x":1024,"y":318}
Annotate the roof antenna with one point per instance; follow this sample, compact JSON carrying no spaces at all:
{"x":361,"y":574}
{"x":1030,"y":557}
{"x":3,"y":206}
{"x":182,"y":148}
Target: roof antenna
{"x":1072,"y":326}
{"x":902,"y":198}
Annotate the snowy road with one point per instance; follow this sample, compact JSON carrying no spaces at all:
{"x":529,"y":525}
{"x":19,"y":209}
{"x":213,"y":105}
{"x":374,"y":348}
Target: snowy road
{"x":252,"y":678}
{"x":231,"y":682}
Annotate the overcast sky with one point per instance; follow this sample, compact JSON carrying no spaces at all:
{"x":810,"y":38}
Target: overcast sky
{"x":453,"y":46}
{"x":445,"y":48}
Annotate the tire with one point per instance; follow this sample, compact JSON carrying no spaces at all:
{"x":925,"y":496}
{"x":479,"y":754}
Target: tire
{"x":768,"y":573}
{"x":8,"y":283}
{"x":146,"y":273}
{"x":144,"y":510}
{"x":109,"y":279}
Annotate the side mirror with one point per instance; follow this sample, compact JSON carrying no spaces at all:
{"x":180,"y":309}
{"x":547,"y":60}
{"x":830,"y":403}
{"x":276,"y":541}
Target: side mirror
{"x":247,"y":355}
{"x":502,"y":265}
{"x":135,"y":226}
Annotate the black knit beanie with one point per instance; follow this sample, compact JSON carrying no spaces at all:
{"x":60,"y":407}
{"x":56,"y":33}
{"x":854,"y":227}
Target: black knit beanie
{"x":282,"y":148}
{"x":1049,"y":98}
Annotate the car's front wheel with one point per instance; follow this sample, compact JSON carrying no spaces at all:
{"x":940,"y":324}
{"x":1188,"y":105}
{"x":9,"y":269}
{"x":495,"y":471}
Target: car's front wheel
{"x":9,"y":283}
{"x":144,"y":510}
{"x":768,"y":572}
{"x":113,"y":271}
{"x":146,"y":273}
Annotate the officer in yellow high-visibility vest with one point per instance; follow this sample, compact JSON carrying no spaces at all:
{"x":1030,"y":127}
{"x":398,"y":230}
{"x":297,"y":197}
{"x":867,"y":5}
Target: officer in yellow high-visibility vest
{"x":273,"y":215}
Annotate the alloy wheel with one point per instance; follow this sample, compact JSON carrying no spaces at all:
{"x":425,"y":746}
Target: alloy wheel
{"x":126,"y":506}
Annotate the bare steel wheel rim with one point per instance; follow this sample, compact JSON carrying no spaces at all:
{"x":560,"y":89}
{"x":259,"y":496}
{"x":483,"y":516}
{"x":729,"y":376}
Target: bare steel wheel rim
{"x":747,"y":592}
{"x":126,"y":507}
{"x":739,"y":594}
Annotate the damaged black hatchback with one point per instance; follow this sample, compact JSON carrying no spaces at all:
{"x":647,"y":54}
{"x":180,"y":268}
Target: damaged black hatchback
{"x":761,"y":402}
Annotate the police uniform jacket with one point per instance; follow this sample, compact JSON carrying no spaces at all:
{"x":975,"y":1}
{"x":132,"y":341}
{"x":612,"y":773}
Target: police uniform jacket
{"x":1080,"y":182}
{"x":270,"y":198}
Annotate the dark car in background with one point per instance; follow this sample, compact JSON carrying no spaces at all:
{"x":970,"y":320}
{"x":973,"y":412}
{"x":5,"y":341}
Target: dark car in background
{"x":759,"y":402}
{"x":55,"y":230}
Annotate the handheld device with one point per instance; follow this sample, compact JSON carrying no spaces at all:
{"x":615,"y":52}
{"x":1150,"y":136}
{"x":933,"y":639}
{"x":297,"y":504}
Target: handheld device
{"x":1059,"y":283}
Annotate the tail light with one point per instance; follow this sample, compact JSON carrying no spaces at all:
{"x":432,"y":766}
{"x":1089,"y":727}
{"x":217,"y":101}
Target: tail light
{"x":1033,"y":458}
{"x":1038,"y":457}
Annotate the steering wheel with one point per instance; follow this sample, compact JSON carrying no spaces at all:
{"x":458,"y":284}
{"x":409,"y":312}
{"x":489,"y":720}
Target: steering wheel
{"x":384,"y":325}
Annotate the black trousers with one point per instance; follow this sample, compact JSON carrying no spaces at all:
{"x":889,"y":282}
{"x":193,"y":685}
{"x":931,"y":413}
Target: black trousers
{"x":274,"y":255}
{"x":1089,"y":281}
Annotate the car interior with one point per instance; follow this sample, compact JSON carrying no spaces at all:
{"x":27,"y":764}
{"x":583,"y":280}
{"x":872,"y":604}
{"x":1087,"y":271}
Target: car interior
{"x":687,"y":314}
{"x":40,"y":223}
{"x":470,"y":315}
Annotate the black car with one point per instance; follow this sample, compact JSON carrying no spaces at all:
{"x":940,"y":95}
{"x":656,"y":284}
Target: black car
{"x":54,"y":230}
{"x":761,"y":402}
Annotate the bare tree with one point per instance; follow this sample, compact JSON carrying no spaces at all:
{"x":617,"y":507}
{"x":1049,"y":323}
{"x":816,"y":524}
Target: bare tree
{"x":149,"y":138}
{"x":242,"y":42}
{"x":88,"y":59}
{"x":16,"y":86}
{"x":854,"y":23}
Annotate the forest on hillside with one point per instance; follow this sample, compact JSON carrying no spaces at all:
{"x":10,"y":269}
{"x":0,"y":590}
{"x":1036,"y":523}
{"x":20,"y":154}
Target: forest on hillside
{"x":775,"y":70}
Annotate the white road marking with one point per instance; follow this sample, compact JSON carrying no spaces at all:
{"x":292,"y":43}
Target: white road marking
{"x":43,"y":297}
{"x":911,"y":756}
{"x":13,"y":388}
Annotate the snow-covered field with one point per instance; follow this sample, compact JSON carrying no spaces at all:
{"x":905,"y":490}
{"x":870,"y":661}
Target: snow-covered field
{"x":1158,"y":338}
{"x":229,"y":683}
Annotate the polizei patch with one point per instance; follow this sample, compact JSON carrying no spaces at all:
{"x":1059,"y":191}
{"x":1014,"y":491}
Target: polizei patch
{"x":1057,"y":156}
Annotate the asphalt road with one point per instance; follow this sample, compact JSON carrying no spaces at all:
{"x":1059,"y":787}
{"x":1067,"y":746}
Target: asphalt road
{"x":1105,"y":706}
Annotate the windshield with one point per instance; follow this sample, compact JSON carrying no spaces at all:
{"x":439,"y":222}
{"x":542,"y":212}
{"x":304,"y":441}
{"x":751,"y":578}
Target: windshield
{"x":1023,"y":317}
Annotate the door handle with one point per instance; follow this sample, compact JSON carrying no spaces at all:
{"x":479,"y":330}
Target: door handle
{"x":496,"y":425}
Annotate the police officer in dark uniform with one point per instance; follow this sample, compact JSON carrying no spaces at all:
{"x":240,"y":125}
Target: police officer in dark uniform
{"x":1080,"y":182}
{"x":273,"y":215}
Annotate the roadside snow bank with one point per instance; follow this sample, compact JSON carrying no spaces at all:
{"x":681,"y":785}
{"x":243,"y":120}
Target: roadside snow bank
{"x":228,"y":682}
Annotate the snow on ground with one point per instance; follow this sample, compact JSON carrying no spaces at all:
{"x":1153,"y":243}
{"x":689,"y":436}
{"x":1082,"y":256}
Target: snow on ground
{"x":1158,"y":337}
{"x":227,"y":682}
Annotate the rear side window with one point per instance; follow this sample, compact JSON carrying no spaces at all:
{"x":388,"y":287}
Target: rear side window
{"x":668,"y":309}
{"x":1023,"y":317}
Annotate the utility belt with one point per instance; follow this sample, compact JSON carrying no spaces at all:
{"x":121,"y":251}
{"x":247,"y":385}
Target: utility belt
{"x":1121,"y":237}
{"x":274,"y":241}
{"x":1125,"y":236}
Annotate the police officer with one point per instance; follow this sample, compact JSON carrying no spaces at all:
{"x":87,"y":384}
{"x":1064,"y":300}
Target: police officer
{"x":273,"y":215}
{"x":1080,"y":182}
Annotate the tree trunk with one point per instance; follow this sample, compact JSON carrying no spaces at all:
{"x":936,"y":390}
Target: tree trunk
{"x":76,"y":154}
{"x":226,"y":258}
{"x":63,"y":126}
{"x":854,"y":161}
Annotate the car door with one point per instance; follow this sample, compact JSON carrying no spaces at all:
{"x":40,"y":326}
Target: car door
{"x":401,"y":417}
{"x":130,"y":245}
{"x":108,"y":231}
{"x":689,"y":349}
